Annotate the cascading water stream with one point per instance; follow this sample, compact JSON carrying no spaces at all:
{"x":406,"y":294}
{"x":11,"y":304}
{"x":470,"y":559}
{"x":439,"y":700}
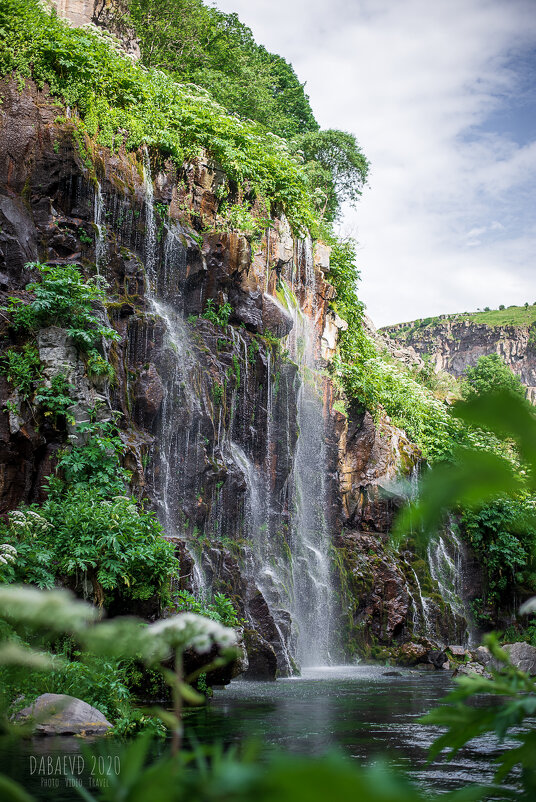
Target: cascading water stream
{"x":270,"y":576}
{"x":445,"y":558}
{"x":424,"y":605}
{"x":297,"y":579}
{"x":312,"y":603}
{"x":101,"y":250}
{"x":173,"y":445}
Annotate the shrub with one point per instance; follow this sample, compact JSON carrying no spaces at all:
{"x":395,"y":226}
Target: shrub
{"x":220,"y":315}
{"x":22,"y":368}
{"x":62,"y":297}
{"x":491,"y":374}
{"x":55,"y":398}
{"x":89,"y":527}
{"x":219,"y":607}
{"x":79,"y":532}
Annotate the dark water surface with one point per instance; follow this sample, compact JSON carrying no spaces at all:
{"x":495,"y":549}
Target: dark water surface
{"x":357,"y":709}
{"x":354,"y":708}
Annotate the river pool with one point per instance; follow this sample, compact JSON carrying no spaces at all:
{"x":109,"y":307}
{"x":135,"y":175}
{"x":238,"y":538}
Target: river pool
{"x":360,"y":710}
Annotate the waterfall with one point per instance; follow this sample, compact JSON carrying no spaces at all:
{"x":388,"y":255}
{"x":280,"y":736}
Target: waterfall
{"x":424,"y":605}
{"x":98,"y":220}
{"x":445,"y":559}
{"x":312,"y":606}
{"x":269,"y":573}
{"x":175,"y":439}
{"x":286,"y":545}
{"x":150,"y":224}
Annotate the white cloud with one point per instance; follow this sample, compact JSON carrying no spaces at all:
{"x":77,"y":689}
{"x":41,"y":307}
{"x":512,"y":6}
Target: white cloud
{"x":416,"y":81}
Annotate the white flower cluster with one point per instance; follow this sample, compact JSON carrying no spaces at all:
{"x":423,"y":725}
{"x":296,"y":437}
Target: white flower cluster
{"x":191,"y":631}
{"x":7,"y":553}
{"x":58,"y":610}
{"x":29,"y":518}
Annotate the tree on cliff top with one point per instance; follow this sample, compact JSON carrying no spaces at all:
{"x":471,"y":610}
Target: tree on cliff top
{"x":218,"y":52}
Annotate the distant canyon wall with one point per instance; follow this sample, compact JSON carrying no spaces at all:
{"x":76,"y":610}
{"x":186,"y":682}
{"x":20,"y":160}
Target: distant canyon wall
{"x":455,"y":345}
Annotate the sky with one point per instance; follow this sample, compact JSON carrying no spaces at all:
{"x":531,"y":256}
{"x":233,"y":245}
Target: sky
{"x":441,"y":95}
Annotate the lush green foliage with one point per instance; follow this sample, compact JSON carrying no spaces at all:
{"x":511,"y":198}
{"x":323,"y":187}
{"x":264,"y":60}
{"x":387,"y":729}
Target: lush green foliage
{"x":80,"y":532}
{"x":100,"y":681}
{"x":22,"y":368}
{"x":64,"y":646}
{"x":218,"y":315}
{"x":88,"y":527}
{"x":491,"y":374}
{"x":344,"y":275}
{"x":199,"y":43}
{"x":62,"y":297}
{"x":373,"y":379}
{"x":97,"y":462}
{"x":381,"y":385}
{"x":503,"y":536}
{"x":55,"y":399}
{"x":336,"y":168}
{"x":219,"y":608}
{"x":490,"y":482}
{"x":122,"y":102}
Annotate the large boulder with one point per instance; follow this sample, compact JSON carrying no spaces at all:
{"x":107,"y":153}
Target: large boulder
{"x":262,"y":659}
{"x":58,"y":714}
{"x":523,"y":656}
{"x":482,"y":655}
{"x":437,"y":658}
{"x":410,"y":654}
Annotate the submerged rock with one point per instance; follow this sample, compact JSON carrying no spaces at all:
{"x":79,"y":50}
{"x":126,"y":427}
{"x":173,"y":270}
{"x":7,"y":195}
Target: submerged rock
{"x":472,"y":668}
{"x":59,"y":714}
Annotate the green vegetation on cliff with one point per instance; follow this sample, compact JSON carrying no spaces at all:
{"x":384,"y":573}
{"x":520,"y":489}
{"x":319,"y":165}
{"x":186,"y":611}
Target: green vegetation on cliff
{"x":198,"y":43}
{"x":122,"y":103}
{"x":375,"y":380}
{"x":489,"y":375}
{"x":504,"y":316}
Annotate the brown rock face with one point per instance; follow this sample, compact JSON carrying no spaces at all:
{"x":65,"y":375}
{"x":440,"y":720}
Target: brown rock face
{"x":455,"y":345}
{"x":373,"y":458}
{"x":376,"y":592}
{"x":149,"y":391}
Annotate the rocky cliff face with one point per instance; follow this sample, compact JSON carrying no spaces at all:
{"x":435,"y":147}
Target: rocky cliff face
{"x":455,"y":345}
{"x":267,"y":492}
